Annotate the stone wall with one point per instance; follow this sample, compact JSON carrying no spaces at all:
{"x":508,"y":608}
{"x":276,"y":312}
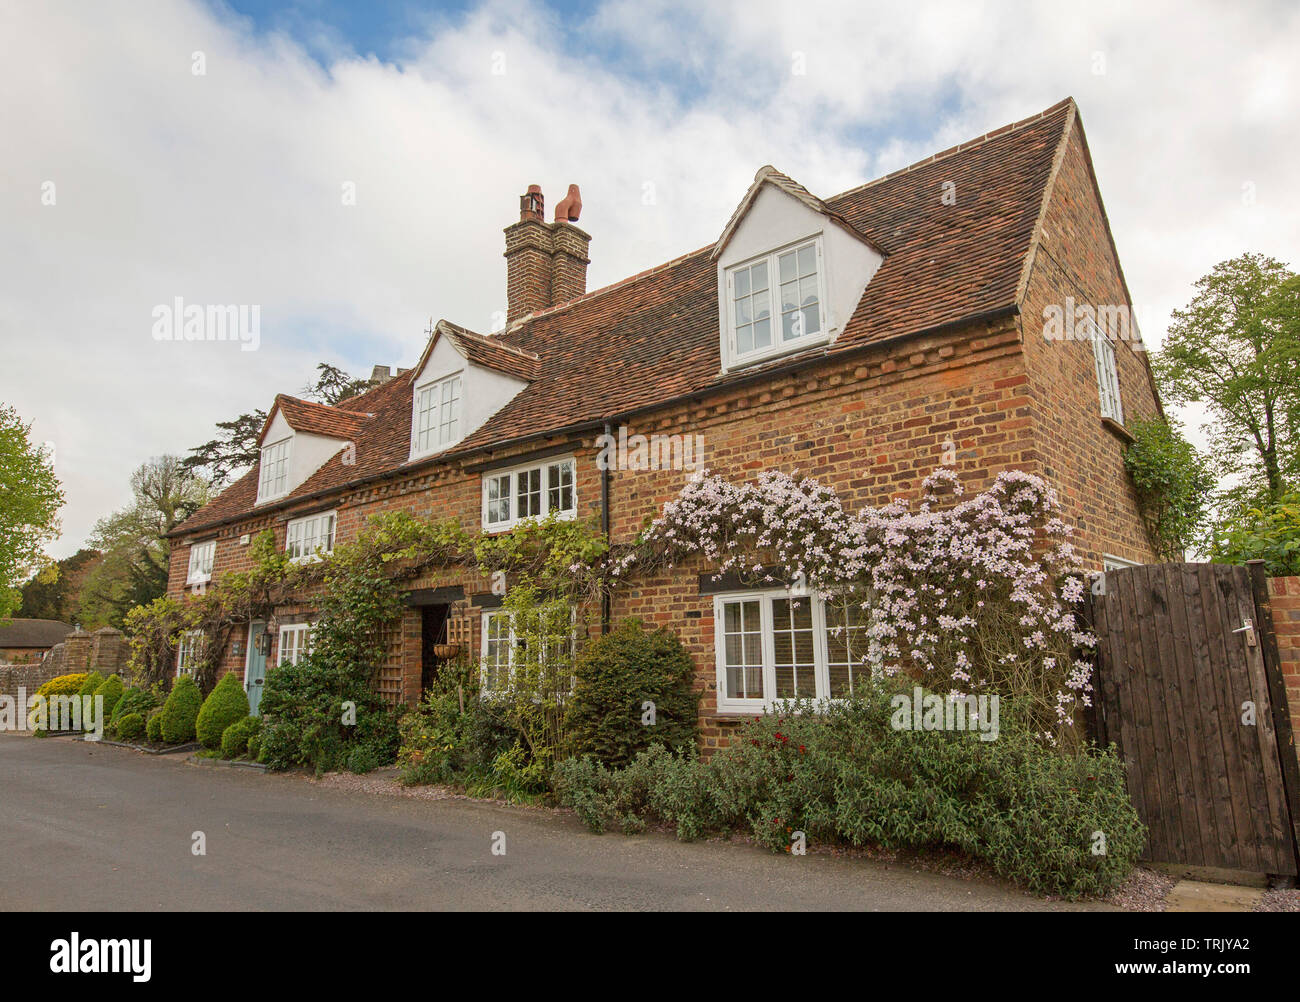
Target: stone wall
{"x":104,"y":651}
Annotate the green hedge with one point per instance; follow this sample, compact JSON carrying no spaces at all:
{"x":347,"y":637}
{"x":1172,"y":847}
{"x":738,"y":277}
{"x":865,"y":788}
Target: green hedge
{"x":847,"y":776}
{"x":153,"y":727}
{"x":234,"y":739}
{"x":226,"y":704}
{"x":130,"y":727}
{"x":139,"y":701}
{"x":180,"y":712}
{"x":111,"y":689}
{"x":63,"y":685}
{"x":91,"y":682}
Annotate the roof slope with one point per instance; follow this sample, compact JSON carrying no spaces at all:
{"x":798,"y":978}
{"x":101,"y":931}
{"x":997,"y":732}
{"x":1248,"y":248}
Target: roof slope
{"x":654,"y":336}
{"x":33,"y":633}
{"x":318,"y":419}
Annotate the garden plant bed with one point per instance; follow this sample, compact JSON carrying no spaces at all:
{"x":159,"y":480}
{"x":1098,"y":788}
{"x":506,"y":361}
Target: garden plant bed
{"x":212,"y":760}
{"x":148,"y":749}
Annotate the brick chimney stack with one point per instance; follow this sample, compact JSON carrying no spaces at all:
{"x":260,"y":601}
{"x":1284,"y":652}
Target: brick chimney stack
{"x":546,"y":263}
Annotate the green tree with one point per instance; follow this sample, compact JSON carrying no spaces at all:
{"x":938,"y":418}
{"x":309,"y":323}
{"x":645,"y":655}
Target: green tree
{"x":333,"y":385}
{"x":55,"y":591}
{"x":1236,"y":348}
{"x":232,"y":451}
{"x":1174,"y":485}
{"x":133,"y":540}
{"x":30,"y":499}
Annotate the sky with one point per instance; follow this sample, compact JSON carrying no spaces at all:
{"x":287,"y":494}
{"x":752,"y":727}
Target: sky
{"x":348,"y":168}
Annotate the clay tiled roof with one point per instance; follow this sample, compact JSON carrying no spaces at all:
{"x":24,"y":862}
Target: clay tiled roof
{"x":33,"y":633}
{"x":654,"y":336}
{"x":318,"y":419}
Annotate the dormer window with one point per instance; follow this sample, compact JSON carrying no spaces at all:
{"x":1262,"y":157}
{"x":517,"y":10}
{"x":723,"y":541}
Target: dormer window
{"x":437,"y":415}
{"x":274,"y":481}
{"x":776,"y":303}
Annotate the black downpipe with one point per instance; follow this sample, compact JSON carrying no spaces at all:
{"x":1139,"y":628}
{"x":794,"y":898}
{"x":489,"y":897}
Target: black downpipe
{"x":606,"y":606}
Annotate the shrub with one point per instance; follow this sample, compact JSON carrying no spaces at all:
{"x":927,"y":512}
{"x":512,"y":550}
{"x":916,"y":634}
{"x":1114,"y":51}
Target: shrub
{"x":255,"y":746}
{"x":226,"y":704}
{"x":847,"y":775}
{"x":91,"y":682}
{"x":63,"y":685}
{"x":138,"y":701}
{"x":130,"y":727}
{"x":1270,"y":533}
{"x":441,"y":743}
{"x":616,"y":675}
{"x":111,"y":690}
{"x":235,"y":738}
{"x":181,"y":711}
{"x":153,"y":727}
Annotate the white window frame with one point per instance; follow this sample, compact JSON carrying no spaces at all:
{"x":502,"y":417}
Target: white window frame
{"x":296,"y":533}
{"x":512,"y":475}
{"x":442,"y":433}
{"x":299,"y":647}
{"x":493,"y":615}
{"x":1110,"y":562}
{"x":186,"y":647}
{"x":203,"y":557}
{"x":1103,"y":353}
{"x":273,"y":470}
{"x":733,"y":358}
{"x":821,"y":654}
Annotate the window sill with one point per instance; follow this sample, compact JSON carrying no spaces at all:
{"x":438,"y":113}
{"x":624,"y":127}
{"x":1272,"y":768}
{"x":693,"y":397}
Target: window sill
{"x":494,"y":529}
{"x":1118,"y":430}
{"x":792,"y":348}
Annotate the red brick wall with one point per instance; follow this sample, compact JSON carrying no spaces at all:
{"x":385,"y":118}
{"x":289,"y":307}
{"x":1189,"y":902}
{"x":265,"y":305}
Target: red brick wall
{"x":1284,"y":597}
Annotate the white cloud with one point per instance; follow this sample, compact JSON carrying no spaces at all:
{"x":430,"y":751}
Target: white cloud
{"x":226,"y":188}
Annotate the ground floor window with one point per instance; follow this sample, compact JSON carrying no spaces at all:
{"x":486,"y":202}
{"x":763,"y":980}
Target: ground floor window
{"x":295,"y":642}
{"x":502,"y":648}
{"x":774,"y":645}
{"x":187,"y":649}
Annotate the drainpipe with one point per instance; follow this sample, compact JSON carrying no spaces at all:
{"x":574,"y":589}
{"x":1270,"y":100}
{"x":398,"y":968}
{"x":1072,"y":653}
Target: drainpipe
{"x":605,"y":602}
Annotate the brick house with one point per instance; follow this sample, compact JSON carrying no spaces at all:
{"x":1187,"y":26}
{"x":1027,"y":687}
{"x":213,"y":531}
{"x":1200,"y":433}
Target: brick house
{"x":25,"y":641}
{"x":926,"y":316}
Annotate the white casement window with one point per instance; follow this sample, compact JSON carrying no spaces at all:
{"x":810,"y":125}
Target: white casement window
{"x":309,"y":538}
{"x":773,"y":646}
{"x":513,"y":496}
{"x":274,"y":479}
{"x":437,"y":416}
{"x":202,"y":556}
{"x":500,"y":643}
{"x":187,"y":649}
{"x":776,"y":303}
{"x":295,"y":642}
{"x":1107,"y":375}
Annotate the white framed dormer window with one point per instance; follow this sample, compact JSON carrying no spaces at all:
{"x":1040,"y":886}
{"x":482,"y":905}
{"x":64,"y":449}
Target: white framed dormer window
{"x":202,"y":556}
{"x":1107,"y":375}
{"x":773,"y":646}
{"x":530,"y":492}
{"x":776,"y":303}
{"x":436,"y":423}
{"x":295,"y":642}
{"x":274,"y":479}
{"x":187,"y":649}
{"x":498,"y":647}
{"x":309,"y":538}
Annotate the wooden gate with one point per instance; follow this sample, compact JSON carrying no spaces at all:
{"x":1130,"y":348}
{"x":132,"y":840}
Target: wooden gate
{"x":1182,"y":688}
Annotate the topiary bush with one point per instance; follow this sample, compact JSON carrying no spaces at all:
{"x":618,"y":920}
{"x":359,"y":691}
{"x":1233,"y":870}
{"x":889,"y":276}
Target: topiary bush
{"x":235,"y":738}
{"x":616,"y":676}
{"x":255,"y":746}
{"x":153,"y":727}
{"x":848,"y":775}
{"x":90,"y":683}
{"x":111,"y":689}
{"x":133,"y":700}
{"x":130,"y":727}
{"x":63,"y":685}
{"x":180,"y":712}
{"x":226,"y":704}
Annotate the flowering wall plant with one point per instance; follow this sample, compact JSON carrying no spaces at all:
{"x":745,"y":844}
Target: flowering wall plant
{"x":970,"y":595}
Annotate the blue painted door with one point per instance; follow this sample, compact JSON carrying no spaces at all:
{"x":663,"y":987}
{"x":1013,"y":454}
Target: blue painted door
{"x":255,"y":666}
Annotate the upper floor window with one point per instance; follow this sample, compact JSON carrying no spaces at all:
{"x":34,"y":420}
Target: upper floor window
{"x":274,"y":480}
{"x":202,"y":556}
{"x":1107,"y":375}
{"x":776,"y":303}
{"x":437,"y":415}
{"x":513,"y":496}
{"x":187,"y":650}
{"x":295,"y":643}
{"x":308,"y":538}
{"x":772,"y":646}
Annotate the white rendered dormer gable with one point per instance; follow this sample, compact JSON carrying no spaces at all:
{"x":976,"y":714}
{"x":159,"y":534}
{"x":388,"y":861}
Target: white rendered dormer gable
{"x":789,"y":278}
{"x":289,"y":458}
{"x":452,"y":398}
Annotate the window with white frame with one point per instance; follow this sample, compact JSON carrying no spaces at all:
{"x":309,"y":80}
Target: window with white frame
{"x":513,"y":496}
{"x":1110,"y":562}
{"x":437,"y":415}
{"x":310,"y":537}
{"x":501,"y":644}
{"x":274,"y":478}
{"x":1107,"y":375}
{"x":295,"y":642}
{"x":202,"y":556}
{"x":776,"y":303}
{"x":187,"y":650}
{"x":773,"y":646}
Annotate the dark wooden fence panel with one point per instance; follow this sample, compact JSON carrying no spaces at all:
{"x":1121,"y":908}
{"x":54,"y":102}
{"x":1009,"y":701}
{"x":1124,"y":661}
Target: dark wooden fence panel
{"x":1178,"y":673}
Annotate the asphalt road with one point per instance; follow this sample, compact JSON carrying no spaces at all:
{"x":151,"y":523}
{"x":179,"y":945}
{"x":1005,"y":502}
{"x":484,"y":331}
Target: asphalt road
{"x":97,"y":828}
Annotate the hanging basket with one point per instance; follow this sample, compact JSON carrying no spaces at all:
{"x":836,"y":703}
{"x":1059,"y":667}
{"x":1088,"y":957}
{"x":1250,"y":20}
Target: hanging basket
{"x":446,"y":651}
